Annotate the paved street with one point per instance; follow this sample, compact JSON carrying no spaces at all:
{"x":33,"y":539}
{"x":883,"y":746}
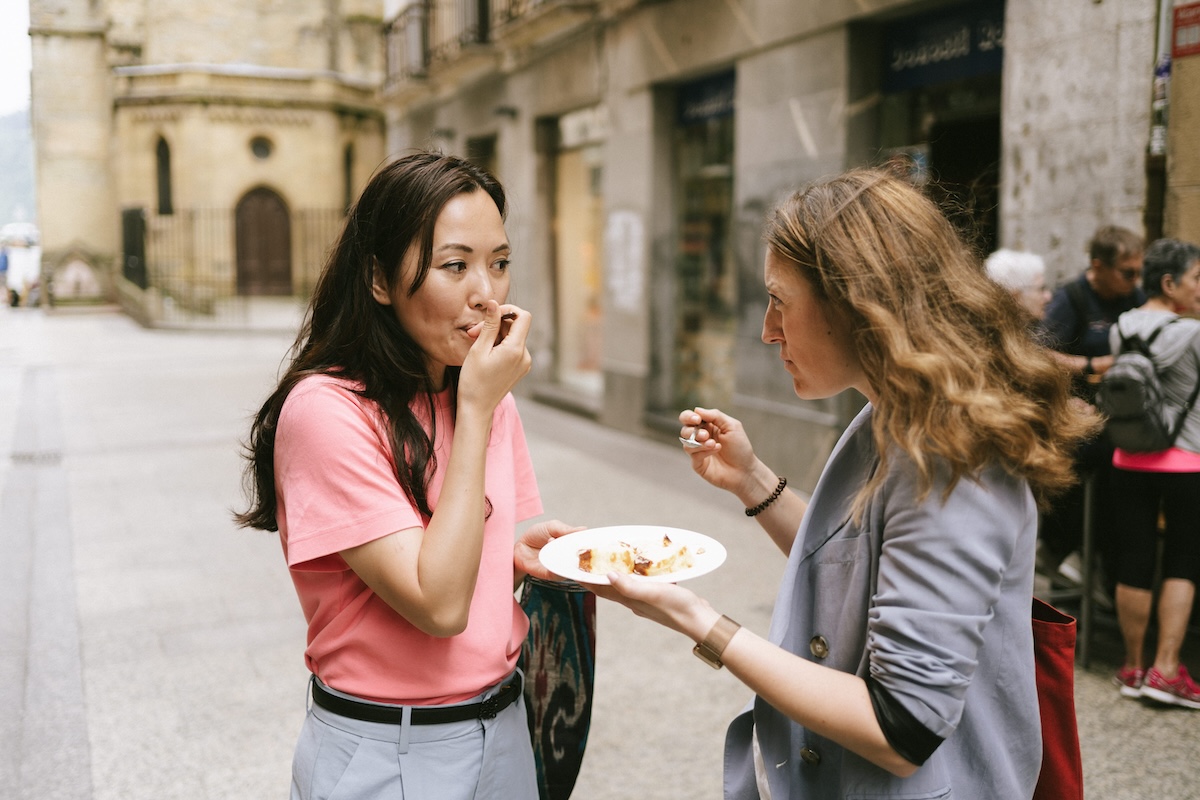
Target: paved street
{"x":150,"y":650}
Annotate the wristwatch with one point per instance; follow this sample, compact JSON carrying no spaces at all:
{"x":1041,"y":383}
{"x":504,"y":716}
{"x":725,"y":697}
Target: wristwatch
{"x":709,"y":651}
{"x":1088,"y":369}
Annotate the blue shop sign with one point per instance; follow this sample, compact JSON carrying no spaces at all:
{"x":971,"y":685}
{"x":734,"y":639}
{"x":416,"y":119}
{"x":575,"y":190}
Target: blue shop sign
{"x":950,"y":45}
{"x":707,"y":98}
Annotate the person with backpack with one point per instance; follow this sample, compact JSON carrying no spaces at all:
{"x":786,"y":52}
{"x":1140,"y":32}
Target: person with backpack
{"x":1076,"y":326}
{"x":1166,"y":481}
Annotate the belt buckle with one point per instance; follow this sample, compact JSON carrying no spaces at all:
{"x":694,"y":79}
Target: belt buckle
{"x":489,"y":708}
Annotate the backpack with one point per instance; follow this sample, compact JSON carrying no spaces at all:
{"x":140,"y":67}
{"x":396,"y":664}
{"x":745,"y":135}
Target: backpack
{"x":1138,"y":415}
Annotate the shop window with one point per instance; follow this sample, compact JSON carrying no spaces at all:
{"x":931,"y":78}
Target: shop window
{"x":941,"y":109}
{"x":578,"y":223}
{"x":579,"y":220}
{"x":705,"y":291}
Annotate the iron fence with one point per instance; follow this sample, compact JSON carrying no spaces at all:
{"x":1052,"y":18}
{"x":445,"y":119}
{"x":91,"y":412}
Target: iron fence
{"x":407,"y":45}
{"x":191,"y":269}
{"x":430,"y":32}
{"x":454,"y":25}
{"x":506,"y":11}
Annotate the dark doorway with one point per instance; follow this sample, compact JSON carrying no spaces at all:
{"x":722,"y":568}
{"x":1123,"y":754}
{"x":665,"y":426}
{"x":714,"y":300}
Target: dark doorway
{"x":264,"y":244}
{"x":938,"y":74}
{"x":133,"y":246}
{"x":964,"y":164}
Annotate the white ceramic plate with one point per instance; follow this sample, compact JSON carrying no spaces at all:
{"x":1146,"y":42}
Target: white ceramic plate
{"x":561,"y":556}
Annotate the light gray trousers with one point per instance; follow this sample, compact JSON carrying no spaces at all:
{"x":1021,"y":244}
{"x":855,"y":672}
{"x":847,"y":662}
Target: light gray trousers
{"x":338,"y":758}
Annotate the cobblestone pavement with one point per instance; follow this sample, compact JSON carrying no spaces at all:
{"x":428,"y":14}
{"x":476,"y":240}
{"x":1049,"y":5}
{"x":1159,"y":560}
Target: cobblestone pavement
{"x":153,"y":651}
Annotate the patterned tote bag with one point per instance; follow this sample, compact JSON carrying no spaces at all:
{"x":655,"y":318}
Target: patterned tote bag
{"x":559,"y":661}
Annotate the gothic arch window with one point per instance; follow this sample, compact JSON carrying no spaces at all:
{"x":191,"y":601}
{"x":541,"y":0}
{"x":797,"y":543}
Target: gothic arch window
{"x":348,"y":176}
{"x":162,"y":155}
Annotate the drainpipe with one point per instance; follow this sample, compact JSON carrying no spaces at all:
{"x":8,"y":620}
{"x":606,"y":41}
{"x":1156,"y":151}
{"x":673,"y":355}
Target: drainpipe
{"x":1154,"y":211}
{"x":1159,"y":103}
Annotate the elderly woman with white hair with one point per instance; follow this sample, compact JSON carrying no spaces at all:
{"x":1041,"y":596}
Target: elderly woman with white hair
{"x":1023,"y":274}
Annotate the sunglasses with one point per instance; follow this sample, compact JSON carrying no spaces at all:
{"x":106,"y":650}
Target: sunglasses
{"x":1131,"y":275}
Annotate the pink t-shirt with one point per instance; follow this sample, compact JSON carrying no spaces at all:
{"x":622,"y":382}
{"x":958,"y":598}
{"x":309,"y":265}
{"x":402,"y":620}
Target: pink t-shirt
{"x":337,"y":489}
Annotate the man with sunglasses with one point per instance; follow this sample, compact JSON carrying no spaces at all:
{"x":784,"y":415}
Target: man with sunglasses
{"x":1076,"y":325}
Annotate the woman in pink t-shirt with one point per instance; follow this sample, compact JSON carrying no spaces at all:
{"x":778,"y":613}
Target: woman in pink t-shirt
{"x":392,"y":462}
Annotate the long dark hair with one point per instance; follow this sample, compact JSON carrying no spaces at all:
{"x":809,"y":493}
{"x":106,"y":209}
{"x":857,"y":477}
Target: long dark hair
{"x":348,"y":334}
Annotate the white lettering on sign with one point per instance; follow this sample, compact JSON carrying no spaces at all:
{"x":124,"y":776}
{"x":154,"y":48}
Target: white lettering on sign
{"x":991,"y":35}
{"x":955,"y":44}
{"x":1186,"y":37}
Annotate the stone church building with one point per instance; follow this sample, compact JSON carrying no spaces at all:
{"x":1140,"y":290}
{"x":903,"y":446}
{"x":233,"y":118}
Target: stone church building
{"x":195,"y":153}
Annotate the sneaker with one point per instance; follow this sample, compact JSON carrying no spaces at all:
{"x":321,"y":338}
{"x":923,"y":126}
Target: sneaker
{"x":1047,"y":562}
{"x":1130,"y":679}
{"x":1071,"y":569}
{"x":1182,"y":691}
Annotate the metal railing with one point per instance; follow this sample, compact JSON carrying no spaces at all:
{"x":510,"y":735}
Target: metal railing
{"x":455,"y":25}
{"x":192,"y":272}
{"x":428,"y":33}
{"x":407,"y":45}
{"x":506,"y":11}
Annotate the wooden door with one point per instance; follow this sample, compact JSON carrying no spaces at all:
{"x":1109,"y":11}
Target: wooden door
{"x":264,"y":244}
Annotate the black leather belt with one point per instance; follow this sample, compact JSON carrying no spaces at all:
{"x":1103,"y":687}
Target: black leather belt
{"x":369,"y":712}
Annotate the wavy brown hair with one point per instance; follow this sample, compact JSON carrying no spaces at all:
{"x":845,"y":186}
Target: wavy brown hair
{"x":959,"y":379}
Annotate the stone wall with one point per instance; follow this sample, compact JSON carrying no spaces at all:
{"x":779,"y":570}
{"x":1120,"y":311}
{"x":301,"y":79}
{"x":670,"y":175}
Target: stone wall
{"x":1076,"y":124}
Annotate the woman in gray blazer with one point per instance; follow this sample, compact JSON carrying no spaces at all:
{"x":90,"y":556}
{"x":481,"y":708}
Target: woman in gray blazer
{"x":900,"y":658}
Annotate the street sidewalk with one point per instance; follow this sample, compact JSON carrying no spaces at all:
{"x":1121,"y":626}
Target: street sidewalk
{"x":151,"y":650}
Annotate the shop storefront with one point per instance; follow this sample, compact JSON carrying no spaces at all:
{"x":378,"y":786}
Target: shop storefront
{"x":578,"y":252}
{"x":941,"y":108}
{"x":698,"y":309}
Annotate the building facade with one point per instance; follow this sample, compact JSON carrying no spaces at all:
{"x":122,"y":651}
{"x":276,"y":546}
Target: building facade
{"x":641,"y":141}
{"x":192,"y":154}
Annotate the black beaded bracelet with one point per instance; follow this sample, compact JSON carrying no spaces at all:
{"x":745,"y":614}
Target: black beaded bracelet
{"x":761,"y":507}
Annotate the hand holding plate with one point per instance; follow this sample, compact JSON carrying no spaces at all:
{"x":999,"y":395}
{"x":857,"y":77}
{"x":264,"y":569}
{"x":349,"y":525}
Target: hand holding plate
{"x":529,"y":546}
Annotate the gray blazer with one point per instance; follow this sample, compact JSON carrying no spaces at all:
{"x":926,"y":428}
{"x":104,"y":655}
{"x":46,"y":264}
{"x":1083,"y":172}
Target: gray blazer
{"x":932,"y":599}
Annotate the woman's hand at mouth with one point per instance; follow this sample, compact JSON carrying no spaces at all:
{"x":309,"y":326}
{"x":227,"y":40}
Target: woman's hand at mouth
{"x":498,"y":357}
{"x":508,"y":314}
